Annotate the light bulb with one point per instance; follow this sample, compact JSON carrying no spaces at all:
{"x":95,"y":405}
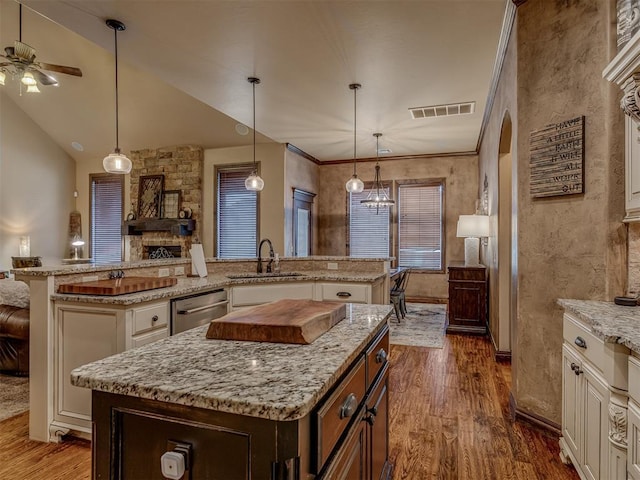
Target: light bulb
{"x":254,"y":182}
{"x":354,"y":185}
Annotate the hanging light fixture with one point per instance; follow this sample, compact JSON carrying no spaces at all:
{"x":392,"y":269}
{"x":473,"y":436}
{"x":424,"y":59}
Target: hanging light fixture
{"x":354,"y":184}
{"x":253,"y":181}
{"x":116,"y":162}
{"x":377,"y":196}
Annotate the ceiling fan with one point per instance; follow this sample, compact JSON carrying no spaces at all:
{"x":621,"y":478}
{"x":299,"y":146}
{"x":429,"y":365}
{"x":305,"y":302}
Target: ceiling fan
{"x":22,"y":63}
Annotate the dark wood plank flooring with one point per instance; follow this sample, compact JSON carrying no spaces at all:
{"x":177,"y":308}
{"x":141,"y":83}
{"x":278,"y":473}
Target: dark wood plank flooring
{"x":449,"y":419}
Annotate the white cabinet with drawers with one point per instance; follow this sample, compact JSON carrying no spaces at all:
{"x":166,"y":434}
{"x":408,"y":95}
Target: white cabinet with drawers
{"x":84,"y":333}
{"x":594,"y":403}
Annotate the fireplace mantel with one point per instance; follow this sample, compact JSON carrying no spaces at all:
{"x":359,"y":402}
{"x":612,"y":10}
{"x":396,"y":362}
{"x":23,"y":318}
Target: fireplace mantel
{"x":174,"y":225}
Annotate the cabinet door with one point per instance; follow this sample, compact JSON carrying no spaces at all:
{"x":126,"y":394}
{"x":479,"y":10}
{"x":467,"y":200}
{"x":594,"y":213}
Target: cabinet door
{"x":350,"y":463}
{"x":633,"y":441}
{"x":571,"y":395}
{"x":632,"y":170}
{"x":595,"y":417}
{"x":379,"y":430}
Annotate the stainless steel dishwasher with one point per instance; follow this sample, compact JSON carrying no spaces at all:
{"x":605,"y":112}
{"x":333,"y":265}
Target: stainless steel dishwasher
{"x":199,"y":309}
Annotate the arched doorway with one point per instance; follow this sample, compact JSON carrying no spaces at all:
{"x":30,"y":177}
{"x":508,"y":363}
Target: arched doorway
{"x":507,"y":242}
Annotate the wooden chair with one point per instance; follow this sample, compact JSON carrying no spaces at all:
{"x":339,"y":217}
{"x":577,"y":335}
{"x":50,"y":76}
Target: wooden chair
{"x":397,"y":295}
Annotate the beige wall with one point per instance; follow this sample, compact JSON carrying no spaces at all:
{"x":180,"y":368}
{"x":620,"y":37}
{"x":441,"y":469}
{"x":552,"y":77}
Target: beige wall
{"x":302,"y":174}
{"x":271,"y":169}
{"x":461,"y":191}
{"x":568,"y":246}
{"x":37,"y":181}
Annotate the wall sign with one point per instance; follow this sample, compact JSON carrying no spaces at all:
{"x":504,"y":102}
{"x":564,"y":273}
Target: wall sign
{"x":557,"y":159}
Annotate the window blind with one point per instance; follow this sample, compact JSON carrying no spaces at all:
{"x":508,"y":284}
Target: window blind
{"x":237,"y":222}
{"x":368,"y":228}
{"x":420,"y":226}
{"x":106,"y":218}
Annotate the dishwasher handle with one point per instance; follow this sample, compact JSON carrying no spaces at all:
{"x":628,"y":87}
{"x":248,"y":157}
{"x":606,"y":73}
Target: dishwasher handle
{"x":203,"y":308}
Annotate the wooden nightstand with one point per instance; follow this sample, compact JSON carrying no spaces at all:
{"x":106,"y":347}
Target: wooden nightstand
{"x":467,"y":309}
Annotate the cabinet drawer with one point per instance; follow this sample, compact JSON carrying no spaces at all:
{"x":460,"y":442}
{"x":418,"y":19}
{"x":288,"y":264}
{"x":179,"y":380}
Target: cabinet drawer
{"x":344,"y":292}
{"x":335,"y":414}
{"x":149,"y":337}
{"x":610,"y":359}
{"x":477,"y":274}
{"x":258,"y":294}
{"x":377,"y":357}
{"x":149,"y":318}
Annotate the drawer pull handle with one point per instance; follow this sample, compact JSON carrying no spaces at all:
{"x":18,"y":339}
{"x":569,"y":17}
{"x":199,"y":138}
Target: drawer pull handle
{"x":154,"y":318}
{"x":381,"y":356}
{"x":370,"y":419}
{"x":579,"y":341}
{"x":574,"y":367}
{"x":343,"y":294}
{"x":373,"y":411}
{"x":348,"y":408}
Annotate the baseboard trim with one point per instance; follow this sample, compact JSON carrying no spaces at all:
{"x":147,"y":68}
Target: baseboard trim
{"x":532,"y":418}
{"x":426,"y":300}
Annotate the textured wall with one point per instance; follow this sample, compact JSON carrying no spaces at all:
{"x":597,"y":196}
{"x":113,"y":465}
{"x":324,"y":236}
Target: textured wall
{"x":461,"y":191}
{"x":569,"y":246}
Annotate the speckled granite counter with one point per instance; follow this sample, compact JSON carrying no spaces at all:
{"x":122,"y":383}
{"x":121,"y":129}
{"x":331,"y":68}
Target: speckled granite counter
{"x":189,"y":285}
{"x":610,"y":322}
{"x":266,"y":380}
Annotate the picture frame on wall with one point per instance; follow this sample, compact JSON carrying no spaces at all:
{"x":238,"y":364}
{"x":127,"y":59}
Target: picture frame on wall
{"x":150,"y":189}
{"x":170,"y":207}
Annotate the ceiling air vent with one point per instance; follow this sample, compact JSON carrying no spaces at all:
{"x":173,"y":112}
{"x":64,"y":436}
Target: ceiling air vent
{"x":443,"y":110}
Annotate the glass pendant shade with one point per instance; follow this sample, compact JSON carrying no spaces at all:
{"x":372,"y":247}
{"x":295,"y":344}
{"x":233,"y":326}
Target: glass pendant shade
{"x":28,"y":79}
{"x":33,"y":89}
{"x":254,"y":182}
{"x":116,"y":163}
{"x":354,"y":185}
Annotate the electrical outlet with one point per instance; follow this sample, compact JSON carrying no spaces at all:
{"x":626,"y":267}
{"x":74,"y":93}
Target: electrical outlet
{"x":178,"y":271}
{"x":332,"y":266}
{"x":163,"y":272}
{"x":90,"y":278}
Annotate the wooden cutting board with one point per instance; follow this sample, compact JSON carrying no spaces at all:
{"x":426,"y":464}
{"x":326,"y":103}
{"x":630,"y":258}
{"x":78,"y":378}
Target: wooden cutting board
{"x":117,"y":286}
{"x":282,"y":321}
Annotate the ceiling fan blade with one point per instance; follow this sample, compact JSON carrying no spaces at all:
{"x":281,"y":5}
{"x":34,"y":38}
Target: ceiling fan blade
{"x":43,"y":78}
{"x":61,"y":69}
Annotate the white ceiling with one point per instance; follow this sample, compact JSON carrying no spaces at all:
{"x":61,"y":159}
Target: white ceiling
{"x":184,"y":65}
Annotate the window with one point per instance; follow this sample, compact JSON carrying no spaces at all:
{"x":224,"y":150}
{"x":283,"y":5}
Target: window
{"x":368,"y":228}
{"x":420,"y":226}
{"x":237,"y":222}
{"x":106,"y":209}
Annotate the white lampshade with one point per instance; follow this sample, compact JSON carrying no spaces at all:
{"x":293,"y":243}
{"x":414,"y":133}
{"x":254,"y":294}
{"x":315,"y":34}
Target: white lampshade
{"x":3,"y":76}
{"x":473,"y":226}
{"x":33,"y":89}
{"x":28,"y":79}
{"x":116,"y":163}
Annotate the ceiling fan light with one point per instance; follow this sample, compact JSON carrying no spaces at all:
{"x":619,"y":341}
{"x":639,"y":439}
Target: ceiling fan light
{"x":3,"y":76}
{"x":28,"y":79}
{"x":116,"y":163}
{"x":254,"y":183}
{"x":33,"y":89}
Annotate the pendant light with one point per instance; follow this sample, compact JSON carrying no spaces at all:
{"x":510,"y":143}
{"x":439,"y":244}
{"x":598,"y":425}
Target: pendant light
{"x":354,"y":185}
{"x":253,"y":181}
{"x":116,"y":162}
{"x":377,"y":196}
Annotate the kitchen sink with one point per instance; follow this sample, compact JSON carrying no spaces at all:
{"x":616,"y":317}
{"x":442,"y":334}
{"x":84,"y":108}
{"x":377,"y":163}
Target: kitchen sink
{"x":265,"y":275}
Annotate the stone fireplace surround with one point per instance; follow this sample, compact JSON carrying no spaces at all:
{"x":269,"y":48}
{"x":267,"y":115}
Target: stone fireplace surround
{"x":182,"y":167}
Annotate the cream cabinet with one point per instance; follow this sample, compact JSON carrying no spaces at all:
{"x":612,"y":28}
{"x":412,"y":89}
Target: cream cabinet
{"x":632,"y":169}
{"x":248,"y":295}
{"x":84,"y":333}
{"x":343,"y":292}
{"x":633,"y":454}
{"x":594,"y":403}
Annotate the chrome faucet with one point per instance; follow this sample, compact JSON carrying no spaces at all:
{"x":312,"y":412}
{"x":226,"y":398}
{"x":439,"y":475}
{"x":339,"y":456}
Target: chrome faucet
{"x":271,"y":255}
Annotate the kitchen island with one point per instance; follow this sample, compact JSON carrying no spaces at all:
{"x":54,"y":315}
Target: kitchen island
{"x":237,"y":410}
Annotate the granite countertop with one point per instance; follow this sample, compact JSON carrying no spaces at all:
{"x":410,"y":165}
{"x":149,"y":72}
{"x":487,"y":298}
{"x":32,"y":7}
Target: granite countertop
{"x":190,"y":285}
{"x":265,"y":380}
{"x":610,"y":322}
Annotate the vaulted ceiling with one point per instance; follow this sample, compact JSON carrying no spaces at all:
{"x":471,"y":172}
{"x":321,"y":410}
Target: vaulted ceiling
{"x":184,"y":68}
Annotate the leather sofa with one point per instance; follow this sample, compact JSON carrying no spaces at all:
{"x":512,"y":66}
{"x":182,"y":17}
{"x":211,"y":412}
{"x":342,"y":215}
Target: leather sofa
{"x":14,"y":340}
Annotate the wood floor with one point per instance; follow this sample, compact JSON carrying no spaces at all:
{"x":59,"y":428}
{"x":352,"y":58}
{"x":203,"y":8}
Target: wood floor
{"x":449,"y":419}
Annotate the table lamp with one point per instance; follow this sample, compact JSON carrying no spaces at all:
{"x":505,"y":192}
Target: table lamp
{"x":77,"y":242}
{"x":472,"y":227}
